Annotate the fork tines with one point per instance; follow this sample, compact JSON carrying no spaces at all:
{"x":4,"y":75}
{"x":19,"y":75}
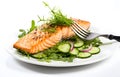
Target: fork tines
{"x":80,"y":31}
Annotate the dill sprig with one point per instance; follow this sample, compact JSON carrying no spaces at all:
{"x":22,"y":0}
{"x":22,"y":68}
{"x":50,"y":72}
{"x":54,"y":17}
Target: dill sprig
{"x":57,"y":18}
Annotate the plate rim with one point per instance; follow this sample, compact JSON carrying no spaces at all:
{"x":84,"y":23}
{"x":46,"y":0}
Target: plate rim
{"x":51,"y":64}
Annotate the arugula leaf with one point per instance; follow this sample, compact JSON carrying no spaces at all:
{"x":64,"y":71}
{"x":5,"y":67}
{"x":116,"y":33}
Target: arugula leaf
{"x":57,"y":18}
{"x":32,"y":26}
{"x":23,"y":33}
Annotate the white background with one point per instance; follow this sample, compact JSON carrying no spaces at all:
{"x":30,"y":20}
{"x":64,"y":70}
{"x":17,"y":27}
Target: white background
{"x":16,"y":14}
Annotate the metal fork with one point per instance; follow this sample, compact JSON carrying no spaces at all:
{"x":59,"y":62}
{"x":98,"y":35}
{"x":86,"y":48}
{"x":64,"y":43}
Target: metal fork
{"x":87,"y":35}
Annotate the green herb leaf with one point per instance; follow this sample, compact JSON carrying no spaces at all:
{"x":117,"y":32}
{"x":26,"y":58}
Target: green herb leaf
{"x":23,"y":33}
{"x":32,"y":26}
{"x":45,"y":3}
{"x":42,"y":19}
{"x":57,"y":18}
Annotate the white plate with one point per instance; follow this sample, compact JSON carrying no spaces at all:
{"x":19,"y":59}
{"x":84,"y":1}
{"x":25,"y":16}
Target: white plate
{"x":106,"y":51}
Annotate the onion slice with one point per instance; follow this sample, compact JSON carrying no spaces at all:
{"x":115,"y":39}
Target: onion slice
{"x":88,"y":49}
{"x":72,"y":45}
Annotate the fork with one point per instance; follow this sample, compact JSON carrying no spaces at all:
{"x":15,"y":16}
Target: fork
{"x":87,"y":35}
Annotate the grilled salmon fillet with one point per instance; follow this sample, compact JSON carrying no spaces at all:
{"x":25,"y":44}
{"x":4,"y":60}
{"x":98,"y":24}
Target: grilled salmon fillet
{"x":37,"y":40}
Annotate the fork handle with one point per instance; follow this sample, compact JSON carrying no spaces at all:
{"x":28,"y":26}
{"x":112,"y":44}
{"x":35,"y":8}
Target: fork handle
{"x":117,"y":38}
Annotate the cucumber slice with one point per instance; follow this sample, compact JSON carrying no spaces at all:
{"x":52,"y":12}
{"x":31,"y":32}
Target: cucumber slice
{"x":81,"y":48}
{"x":38,"y":55}
{"x":94,"y":50}
{"x":78,"y":43}
{"x":84,"y":55}
{"x":74,"y":51}
{"x":64,"y":48}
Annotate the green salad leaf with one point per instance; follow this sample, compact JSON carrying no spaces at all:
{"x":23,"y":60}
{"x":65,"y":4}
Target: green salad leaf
{"x":24,"y":32}
{"x":32,"y":26}
{"x":57,"y":18}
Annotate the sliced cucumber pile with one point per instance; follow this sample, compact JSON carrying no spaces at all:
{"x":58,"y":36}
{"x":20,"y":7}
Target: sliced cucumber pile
{"x":64,"y":47}
{"x":84,"y":54}
{"x":94,"y":50}
{"x":77,"y":49}
{"x":38,"y":55}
